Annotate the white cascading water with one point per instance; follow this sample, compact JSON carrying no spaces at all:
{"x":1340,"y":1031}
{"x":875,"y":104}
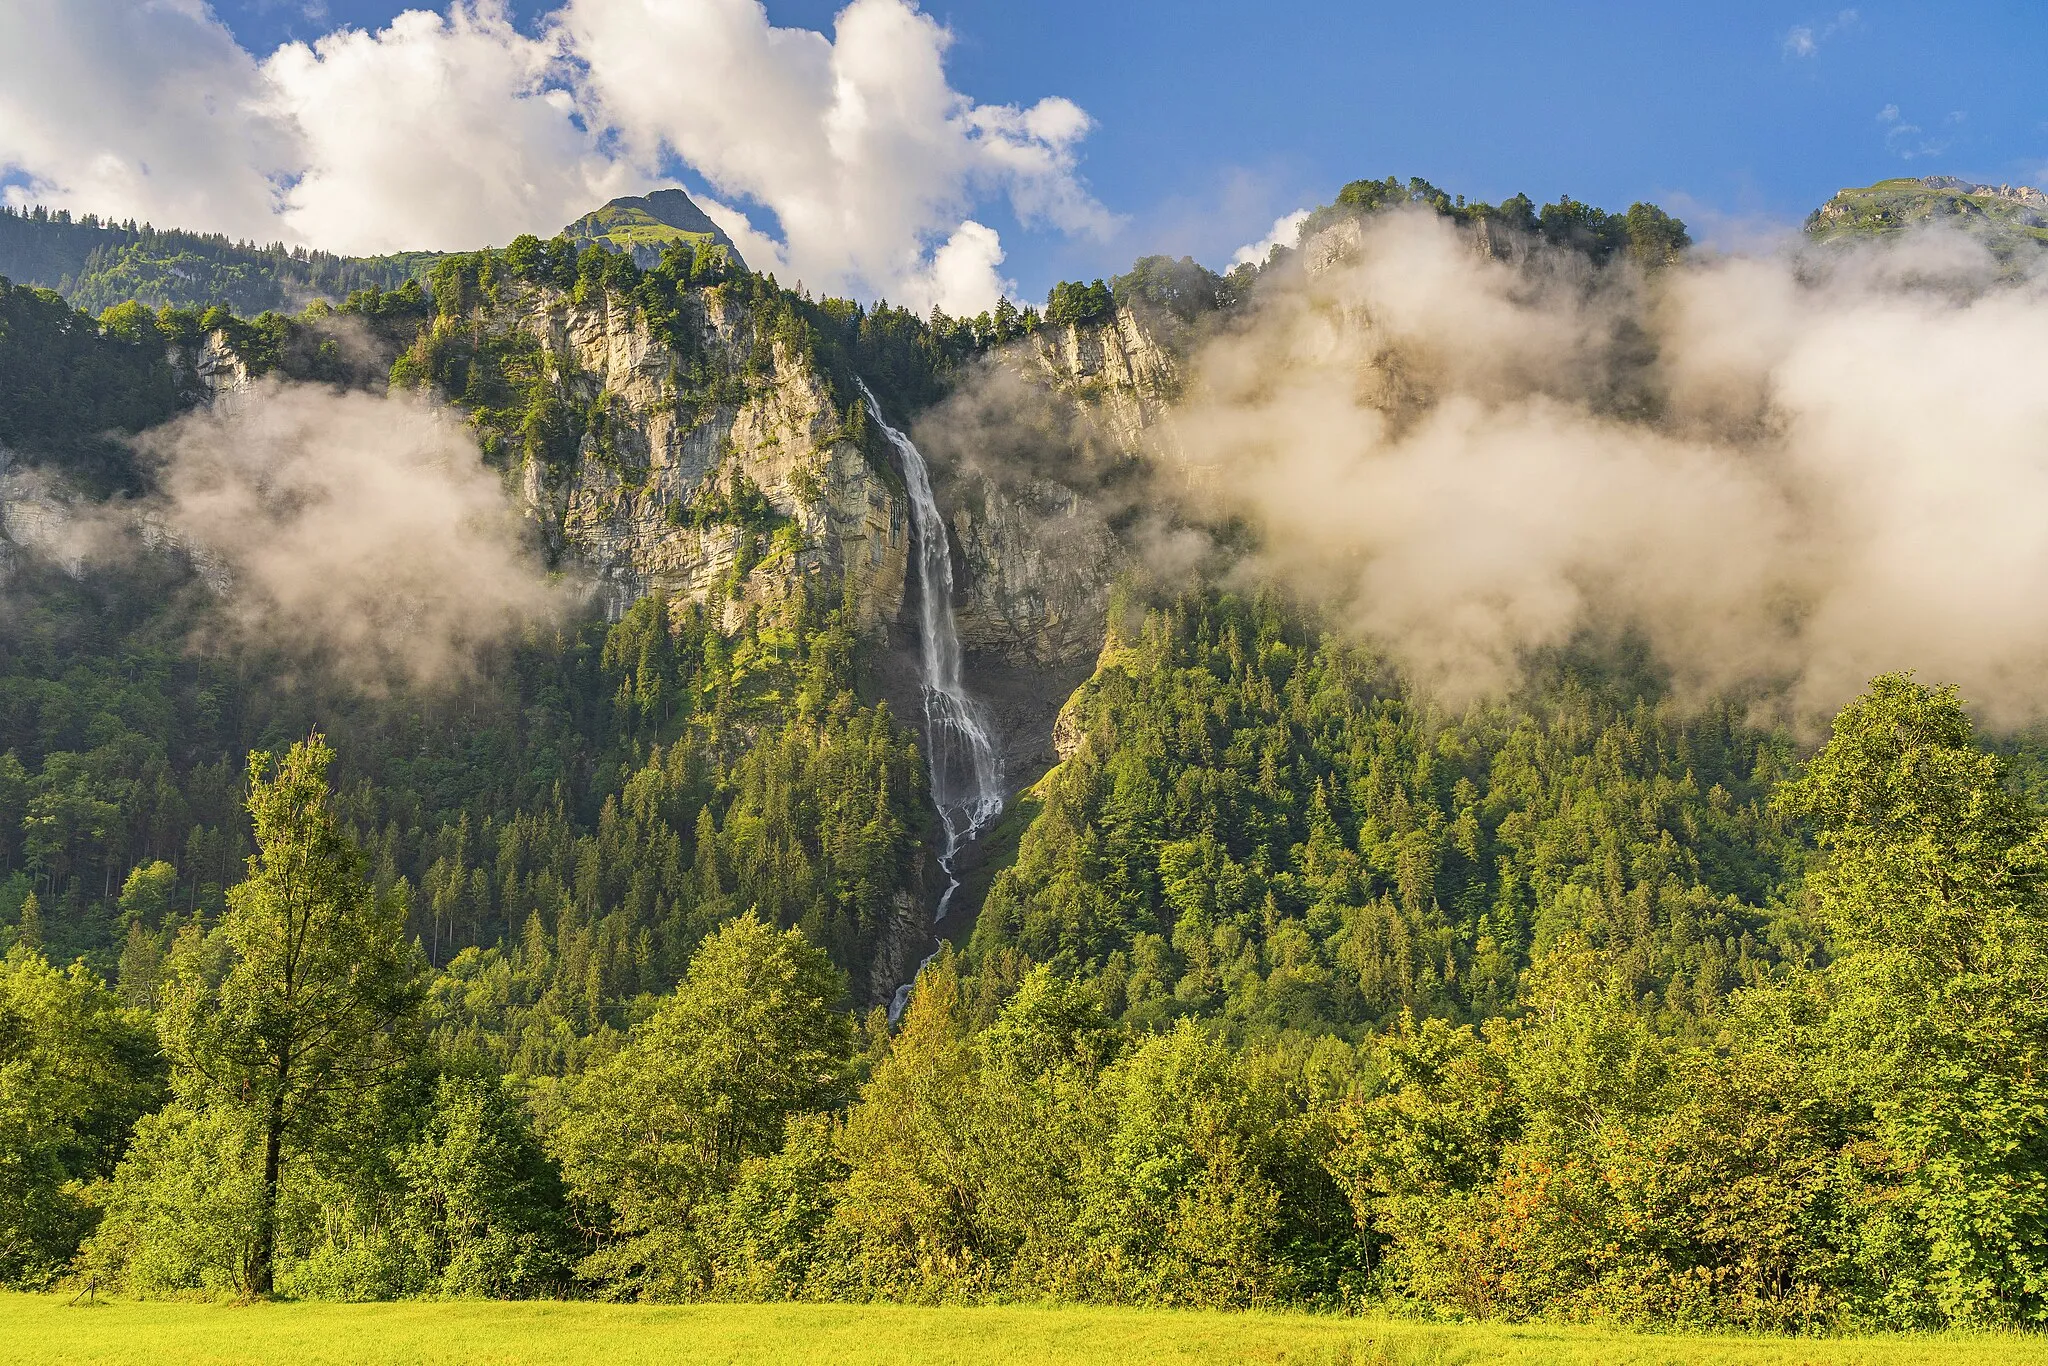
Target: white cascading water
{"x":960,"y":755}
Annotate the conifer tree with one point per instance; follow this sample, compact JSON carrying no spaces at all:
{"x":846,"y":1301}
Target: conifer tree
{"x":30,"y":935}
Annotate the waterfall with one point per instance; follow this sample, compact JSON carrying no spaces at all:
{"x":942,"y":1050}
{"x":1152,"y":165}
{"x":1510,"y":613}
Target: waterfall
{"x":960,"y":754}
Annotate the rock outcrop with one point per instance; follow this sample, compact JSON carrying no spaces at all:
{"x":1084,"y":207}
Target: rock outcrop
{"x":1035,"y":544}
{"x":1122,"y":369}
{"x":2011,"y":221}
{"x":38,"y":518}
{"x":628,"y":506}
{"x":212,"y":370}
{"x":1035,"y":527}
{"x":1039,"y":565}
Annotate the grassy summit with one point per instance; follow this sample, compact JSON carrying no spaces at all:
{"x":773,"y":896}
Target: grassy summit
{"x":642,"y":225}
{"x":2012,"y":219}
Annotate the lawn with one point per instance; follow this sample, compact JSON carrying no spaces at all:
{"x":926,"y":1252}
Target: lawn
{"x":40,"y":1328}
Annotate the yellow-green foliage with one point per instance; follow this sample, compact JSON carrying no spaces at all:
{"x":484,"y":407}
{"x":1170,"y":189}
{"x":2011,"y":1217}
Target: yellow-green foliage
{"x":39,"y":1328}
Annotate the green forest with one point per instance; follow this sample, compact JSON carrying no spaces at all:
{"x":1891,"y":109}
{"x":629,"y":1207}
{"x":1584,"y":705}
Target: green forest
{"x":97,"y":264}
{"x":1287,"y":987}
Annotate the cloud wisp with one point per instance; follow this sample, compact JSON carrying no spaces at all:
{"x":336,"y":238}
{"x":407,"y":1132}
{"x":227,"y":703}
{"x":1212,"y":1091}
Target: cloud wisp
{"x":1805,"y":40}
{"x":359,"y":533}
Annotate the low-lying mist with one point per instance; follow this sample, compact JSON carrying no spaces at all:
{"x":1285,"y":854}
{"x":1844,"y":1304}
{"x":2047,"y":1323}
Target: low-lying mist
{"x":1785,"y":474}
{"x":359,"y":533}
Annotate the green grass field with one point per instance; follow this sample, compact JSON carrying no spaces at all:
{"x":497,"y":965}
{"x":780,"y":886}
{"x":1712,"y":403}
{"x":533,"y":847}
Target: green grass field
{"x":40,"y":1328}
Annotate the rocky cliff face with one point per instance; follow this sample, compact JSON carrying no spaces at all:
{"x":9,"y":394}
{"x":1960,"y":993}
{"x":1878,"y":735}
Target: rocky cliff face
{"x":628,"y":506}
{"x":1033,"y":530}
{"x":213,"y":369}
{"x":1331,"y":245}
{"x":1045,"y":458}
{"x":1125,"y":370}
{"x":1039,"y":561}
{"x":1335,"y":243}
{"x":1029,"y":484}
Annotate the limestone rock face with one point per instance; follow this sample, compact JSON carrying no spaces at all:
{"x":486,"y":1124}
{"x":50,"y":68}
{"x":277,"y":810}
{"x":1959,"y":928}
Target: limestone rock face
{"x":212,"y":370}
{"x":1121,"y":368}
{"x":36,"y":519}
{"x":1332,"y":245}
{"x":673,"y":419}
{"x":1035,"y":539}
{"x":624,"y":508}
{"x":1039,"y":564}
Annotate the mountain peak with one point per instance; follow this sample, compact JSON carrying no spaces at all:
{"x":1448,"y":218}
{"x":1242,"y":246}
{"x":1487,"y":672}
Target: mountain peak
{"x":642,"y":226}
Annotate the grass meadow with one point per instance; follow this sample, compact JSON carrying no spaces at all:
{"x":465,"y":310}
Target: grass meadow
{"x":43,"y":1329}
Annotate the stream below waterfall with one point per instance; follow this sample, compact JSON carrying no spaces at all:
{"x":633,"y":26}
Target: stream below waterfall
{"x":960,"y":753}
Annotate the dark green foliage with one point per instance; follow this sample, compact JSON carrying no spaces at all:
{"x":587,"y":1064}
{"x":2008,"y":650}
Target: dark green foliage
{"x":114,"y":752}
{"x":738,"y":501}
{"x":1049,"y":1156}
{"x":1655,"y":238}
{"x":447,"y":1191}
{"x":1931,"y":882}
{"x":1183,"y":288}
{"x":76,"y":1072}
{"x":484,"y":1206}
{"x":547,"y":825}
{"x":1072,"y":302}
{"x":72,"y":387}
{"x":1645,"y":233}
{"x":1857,"y":1143}
{"x":749,"y":778}
{"x":653,"y":1140}
{"x":297,"y":1005}
{"x":67,"y":387}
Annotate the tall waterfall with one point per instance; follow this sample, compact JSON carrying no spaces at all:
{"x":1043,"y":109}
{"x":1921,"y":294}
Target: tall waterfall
{"x":960,"y":754}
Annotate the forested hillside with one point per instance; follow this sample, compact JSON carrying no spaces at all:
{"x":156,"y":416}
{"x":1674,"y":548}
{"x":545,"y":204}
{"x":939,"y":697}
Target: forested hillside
{"x":97,"y":264}
{"x":1258,"y":821}
{"x":564,"y":970}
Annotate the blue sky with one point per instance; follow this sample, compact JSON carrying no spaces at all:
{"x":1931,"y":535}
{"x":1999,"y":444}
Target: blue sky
{"x":1212,"y":119}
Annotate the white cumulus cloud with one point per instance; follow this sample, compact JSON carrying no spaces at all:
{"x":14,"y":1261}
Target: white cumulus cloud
{"x":439,"y":132}
{"x":144,"y":109}
{"x":858,"y":144}
{"x":846,"y":160}
{"x":1283,"y":233}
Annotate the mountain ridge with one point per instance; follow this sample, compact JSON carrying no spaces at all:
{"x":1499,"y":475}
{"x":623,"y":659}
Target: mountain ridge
{"x":2011,"y":220}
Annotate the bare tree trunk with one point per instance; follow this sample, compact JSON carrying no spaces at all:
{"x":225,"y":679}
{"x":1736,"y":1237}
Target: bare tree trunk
{"x":263,"y":1262}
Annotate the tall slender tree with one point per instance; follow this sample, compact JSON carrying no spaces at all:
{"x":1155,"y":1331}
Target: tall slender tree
{"x":300,"y":1002}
